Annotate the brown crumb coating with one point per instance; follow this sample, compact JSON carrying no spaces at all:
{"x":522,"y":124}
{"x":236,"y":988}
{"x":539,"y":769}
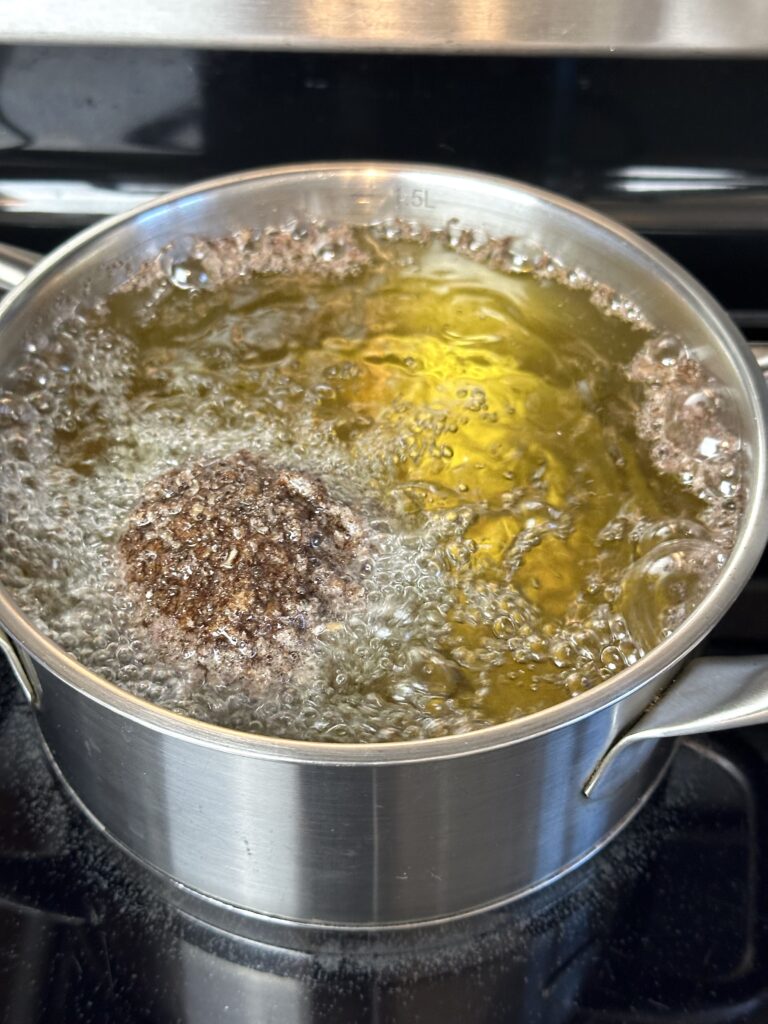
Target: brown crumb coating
{"x":234,"y":561}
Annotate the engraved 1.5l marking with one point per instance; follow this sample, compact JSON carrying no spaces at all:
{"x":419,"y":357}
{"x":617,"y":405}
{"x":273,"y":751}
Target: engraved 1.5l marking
{"x":414,"y":198}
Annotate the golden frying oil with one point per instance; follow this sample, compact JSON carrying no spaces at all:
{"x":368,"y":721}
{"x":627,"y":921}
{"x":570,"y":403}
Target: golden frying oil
{"x":486,"y":426}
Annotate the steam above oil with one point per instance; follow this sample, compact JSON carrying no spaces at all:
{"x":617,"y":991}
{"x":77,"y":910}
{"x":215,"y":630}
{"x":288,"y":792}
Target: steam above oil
{"x":549,"y":483}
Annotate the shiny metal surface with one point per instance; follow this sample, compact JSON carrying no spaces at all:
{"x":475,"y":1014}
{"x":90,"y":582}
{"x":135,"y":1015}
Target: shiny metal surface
{"x":761,"y":355}
{"x":358,"y":845}
{"x":709,"y":695}
{"x":651,"y":197}
{"x":383,"y":834}
{"x":24,"y":675}
{"x":15,"y":264}
{"x":310,"y":935}
{"x":60,"y":203}
{"x":646,"y":198}
{"x":507,"y":26}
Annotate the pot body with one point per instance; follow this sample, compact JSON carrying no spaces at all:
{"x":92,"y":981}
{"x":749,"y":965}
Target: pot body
{"x":344,"y":844}
{"x":387,"y":834}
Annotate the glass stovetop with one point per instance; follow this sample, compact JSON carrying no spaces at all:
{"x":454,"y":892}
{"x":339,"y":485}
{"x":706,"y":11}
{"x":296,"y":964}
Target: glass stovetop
{"x":670,"y":923}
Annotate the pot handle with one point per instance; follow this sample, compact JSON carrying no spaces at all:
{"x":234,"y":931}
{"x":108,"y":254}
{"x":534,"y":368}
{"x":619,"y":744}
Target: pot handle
{"x":25,"y":678}
{"x":15,"y":264}
{"x":710,"y":694}
{"x":694,"y":703}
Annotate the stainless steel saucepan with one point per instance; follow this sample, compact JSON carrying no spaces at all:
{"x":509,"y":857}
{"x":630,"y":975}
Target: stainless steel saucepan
{"x":384,"y":834}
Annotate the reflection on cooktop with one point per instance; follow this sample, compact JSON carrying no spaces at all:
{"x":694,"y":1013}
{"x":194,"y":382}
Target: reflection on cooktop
{"x":669,"y":923}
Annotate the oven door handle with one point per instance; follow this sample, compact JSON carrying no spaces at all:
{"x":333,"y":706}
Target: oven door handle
{"x":15,"y":264}
{"x":760,"y":352}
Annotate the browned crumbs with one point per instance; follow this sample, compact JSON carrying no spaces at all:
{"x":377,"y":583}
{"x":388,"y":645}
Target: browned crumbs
{"x":234,"y":557}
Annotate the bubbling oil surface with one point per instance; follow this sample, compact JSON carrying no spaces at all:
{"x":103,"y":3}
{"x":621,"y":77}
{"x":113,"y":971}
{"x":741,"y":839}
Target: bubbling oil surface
{"x":540,"y":512}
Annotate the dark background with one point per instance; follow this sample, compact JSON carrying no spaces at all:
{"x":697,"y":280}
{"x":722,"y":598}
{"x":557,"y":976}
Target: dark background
{"x":676,"y":148}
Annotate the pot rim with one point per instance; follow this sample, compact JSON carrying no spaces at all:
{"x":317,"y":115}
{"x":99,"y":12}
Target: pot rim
{"x":744,"y":556}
